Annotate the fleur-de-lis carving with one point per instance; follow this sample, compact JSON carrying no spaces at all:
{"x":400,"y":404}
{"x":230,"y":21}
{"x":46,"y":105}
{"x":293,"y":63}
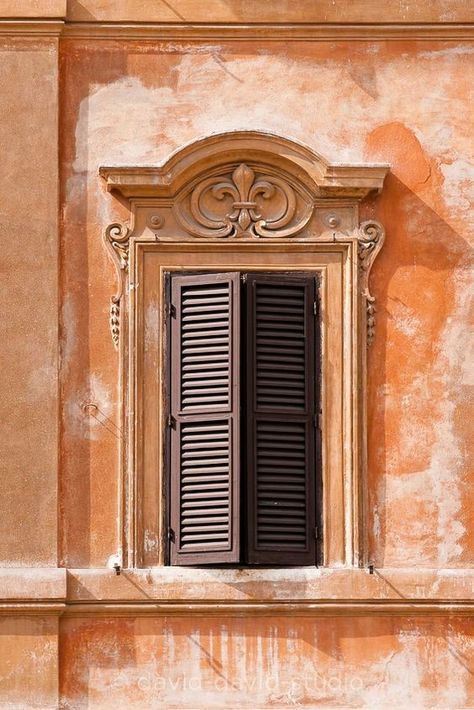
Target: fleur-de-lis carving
{"x":244,"y":205}
{"x":245,"y":218}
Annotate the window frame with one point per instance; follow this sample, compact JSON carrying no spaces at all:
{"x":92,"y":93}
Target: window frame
{"x":334,"y":267}
{"x":323,"y":234}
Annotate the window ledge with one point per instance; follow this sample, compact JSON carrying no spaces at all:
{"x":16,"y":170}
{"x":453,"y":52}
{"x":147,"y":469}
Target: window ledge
{"x":303,"y":591}
{"x":300,"y":591}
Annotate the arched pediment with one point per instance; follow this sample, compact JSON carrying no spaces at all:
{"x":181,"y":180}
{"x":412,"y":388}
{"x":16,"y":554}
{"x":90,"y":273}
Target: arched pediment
{"x":217,"y":154}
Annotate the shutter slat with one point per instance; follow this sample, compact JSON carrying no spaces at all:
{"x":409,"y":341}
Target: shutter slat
{"x":280,"y":408}
{"x":205,"y":404}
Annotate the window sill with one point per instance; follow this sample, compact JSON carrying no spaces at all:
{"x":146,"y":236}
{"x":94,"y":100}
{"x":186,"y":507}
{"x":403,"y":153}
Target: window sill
{"x":300,"y":591}
{"x":303,"y":591}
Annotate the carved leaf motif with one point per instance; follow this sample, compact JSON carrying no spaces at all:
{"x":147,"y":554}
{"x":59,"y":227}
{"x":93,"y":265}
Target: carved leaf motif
{"x":244,"y":219}
{"x":115,"y":321}
{"x":243,"y":177}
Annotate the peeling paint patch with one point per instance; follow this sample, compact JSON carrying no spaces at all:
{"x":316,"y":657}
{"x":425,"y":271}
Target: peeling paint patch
{"x":432,"y":499}
{"x":405,"y":319}
{"x":259,"y":91}
{"x":460,"y":327}
{"x":457,"y":51}
{"x":244,"y":663}
{"x":458,"y":187}
{"x":151,"y":542}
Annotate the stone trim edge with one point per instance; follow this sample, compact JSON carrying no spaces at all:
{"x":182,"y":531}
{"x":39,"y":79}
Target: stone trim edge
{"x":234,"y":592}
{"x":310,"y":32}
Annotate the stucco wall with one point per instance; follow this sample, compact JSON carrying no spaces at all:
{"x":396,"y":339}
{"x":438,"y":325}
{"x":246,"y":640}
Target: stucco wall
{"x":398,"y":103}
{"x":279,"y":662}
{"x":132,"y":102}
{"x":29,"y":236}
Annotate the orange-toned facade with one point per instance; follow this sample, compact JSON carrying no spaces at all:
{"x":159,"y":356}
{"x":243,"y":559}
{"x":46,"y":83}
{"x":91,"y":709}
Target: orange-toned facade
{"x":92,"y":83}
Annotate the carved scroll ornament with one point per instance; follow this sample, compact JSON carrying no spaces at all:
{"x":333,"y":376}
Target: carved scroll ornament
{"x":117,"y":237}
{"x":371,"y":237}
{"x":243,"y":205}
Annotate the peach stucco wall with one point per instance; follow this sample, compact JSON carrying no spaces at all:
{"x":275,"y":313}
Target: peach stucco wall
{"x":398,"y":103}
{"x":279,"y":662}
{"x":29,"y":283}
{"x":74,"y":103}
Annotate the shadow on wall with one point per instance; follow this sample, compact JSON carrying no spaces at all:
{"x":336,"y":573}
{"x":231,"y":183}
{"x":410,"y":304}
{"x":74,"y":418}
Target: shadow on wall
{"x":412,"y":280}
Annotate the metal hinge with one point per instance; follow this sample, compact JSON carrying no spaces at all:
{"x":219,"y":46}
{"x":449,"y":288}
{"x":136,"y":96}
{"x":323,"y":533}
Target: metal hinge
{"x":170,"y":310}
{"x":171,"y":421}
{"x":316,"y":533}
{"x":243,"y":278}
{"x":170,"y":535}
{"x":318,"y":421}
{"x":316,"y":308}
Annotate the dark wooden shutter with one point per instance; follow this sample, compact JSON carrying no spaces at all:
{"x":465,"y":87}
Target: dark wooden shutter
{"x":205,"y":427}
{"x":280,"y":410}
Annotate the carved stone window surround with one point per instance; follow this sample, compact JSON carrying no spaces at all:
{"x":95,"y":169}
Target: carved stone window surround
{"x":244,"y":200}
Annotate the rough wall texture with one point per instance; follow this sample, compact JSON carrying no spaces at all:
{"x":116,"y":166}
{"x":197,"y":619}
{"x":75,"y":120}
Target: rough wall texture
{"x":29,"y":285}
{"x":400,"y":103}
{"x":123,"y":102}
{"x":249,"y":663}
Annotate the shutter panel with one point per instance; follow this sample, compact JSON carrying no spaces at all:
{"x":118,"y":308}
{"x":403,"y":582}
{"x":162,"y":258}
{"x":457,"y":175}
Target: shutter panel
{"x":280,"y":409}
{"x":205,"y":409}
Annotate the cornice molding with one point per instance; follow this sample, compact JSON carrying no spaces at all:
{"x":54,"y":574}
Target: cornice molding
{"x":31,"y":28}
{"x":369,"y":607}
{"x":56,"y":23}
{"x":309,"y":32}
{"x":324,"y":179}
{"x":350,"y":181}
{"x":293,"y":608}
{"x":35,"y":608}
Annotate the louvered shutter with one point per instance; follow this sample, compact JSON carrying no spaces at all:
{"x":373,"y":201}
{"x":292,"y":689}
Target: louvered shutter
{"x":280,"y":410}
{"x":205,"y":427}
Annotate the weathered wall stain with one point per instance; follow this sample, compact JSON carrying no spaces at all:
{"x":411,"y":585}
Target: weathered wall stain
{"x":420,"y":464}
{"x":400,"y":103}
{"x":170,"y":97}
{"x":277,"y":662}
{"x":408,"y":103}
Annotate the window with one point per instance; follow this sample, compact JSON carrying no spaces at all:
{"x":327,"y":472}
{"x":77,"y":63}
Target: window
{"x":244,"y":384}
{"x":230,"y":205}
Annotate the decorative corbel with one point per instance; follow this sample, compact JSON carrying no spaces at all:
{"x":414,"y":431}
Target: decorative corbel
{"x":117,"y":239}
{"x":371,"y":237}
